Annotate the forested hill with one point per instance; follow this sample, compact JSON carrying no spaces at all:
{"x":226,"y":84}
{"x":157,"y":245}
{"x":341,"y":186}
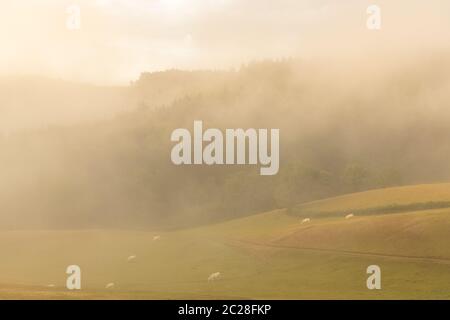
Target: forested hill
{"x":380,"y":126}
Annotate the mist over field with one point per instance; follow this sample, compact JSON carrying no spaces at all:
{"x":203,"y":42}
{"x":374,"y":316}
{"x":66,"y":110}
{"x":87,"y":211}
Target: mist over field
{"x":374,"y":126}
{"x":92,"y":205}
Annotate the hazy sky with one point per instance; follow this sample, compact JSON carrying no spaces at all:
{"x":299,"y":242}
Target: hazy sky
{"x":119,"y":39}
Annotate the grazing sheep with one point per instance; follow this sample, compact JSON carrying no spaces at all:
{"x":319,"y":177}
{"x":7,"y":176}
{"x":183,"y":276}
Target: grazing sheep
{"x":156,"y":238}
{"x":306,"y":220}
{"x":214,"y":276}
{"x":109,"y":286}
{"x":349,"y":216}
{"x":131,"y":258}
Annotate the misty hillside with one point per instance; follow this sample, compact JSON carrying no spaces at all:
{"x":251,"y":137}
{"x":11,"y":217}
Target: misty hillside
{"x":383,"y":125}
{"x":37,"y":102}
{"x":31,"y":102}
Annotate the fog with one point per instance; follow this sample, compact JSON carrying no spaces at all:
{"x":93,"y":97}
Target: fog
{"x":117,"y":39}
{"x":86,"y":115}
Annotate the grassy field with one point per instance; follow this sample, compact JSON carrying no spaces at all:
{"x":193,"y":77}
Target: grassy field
{"x":399,"y":199}
{"x":266,"y":256}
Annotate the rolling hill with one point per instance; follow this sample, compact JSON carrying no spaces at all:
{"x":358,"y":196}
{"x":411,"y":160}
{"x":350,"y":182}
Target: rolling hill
{"x":398,"y":199}
{"x":265,"y":256}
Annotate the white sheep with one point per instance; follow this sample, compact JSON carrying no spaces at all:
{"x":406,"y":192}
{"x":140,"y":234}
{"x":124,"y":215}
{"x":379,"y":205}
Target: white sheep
{"x":349,"y":216}
{"x":214,"y":276}
{"x":156,"y":238}
{"x":51,"y":286}
{"x":110,"y":285}
{"x":306,"y":220}
{"x":131,"y":258}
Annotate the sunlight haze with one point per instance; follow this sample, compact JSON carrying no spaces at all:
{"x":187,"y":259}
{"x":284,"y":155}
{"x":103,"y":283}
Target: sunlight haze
{"x":119,"y":39}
